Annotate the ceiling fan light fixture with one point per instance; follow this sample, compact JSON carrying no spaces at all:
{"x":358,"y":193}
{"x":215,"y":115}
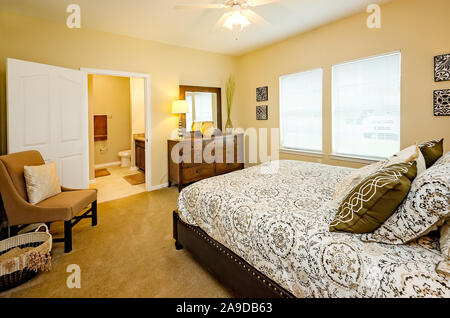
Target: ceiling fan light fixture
{"x":236,"y":20}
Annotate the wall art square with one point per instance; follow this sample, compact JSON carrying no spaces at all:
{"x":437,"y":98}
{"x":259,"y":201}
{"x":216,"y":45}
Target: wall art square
{"x":442,"y":102}
{"x":262,"y":112}
{"x":442,"y":68}
{"x":262,"y":94}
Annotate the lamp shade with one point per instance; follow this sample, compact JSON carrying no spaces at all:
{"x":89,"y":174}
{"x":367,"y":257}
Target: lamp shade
{"x":180,"y":107}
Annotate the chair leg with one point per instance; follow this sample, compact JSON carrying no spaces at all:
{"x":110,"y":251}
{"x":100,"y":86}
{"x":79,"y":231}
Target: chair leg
{"x":67,"y":236}
{"x":13,"y":230}
{"x":94,"y":213}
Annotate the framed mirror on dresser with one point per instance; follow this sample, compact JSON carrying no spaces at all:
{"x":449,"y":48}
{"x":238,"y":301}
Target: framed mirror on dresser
{"x":205,"y":107}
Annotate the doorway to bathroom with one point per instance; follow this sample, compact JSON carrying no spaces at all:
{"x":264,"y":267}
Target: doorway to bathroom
{"x":119,"y":154}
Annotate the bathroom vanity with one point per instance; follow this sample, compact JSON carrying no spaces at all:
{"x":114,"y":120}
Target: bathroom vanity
{"x":139,"y":144}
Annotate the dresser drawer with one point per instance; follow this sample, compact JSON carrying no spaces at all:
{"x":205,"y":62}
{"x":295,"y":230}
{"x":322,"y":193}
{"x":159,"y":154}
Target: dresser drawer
{"x":198,"y":172}
{"x":231,"y":154}
{"x":227,"y":167}
{"x":198,"y":155}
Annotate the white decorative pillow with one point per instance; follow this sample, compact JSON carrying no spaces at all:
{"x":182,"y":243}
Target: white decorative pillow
{"x":408,"y":154}
{"x":443,"y":268}
{"x":42,"y":182}
{"x":421,"y":164}
{"x":444,"y":241}
{"x":426,"y":207}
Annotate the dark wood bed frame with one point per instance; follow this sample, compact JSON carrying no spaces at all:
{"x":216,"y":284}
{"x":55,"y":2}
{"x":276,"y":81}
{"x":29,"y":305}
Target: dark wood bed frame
{"x":232,"y":271}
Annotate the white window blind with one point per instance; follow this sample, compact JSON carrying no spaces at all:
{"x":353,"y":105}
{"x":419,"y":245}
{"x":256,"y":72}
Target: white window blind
{"x":301,"y":111}
{"x":366,"y":107}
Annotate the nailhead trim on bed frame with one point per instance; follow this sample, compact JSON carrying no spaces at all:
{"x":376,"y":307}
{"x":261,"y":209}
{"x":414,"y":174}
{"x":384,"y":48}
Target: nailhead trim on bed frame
{"x":236,"y":260}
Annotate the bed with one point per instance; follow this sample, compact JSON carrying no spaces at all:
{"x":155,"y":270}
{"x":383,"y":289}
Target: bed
{"x":264,"y":232}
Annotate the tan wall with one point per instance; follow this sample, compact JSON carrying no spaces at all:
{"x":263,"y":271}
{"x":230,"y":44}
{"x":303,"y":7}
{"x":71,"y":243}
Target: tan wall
{"x":137,"y":100}
{"x":111,"y":97}
{"x":415,"y":27}
{"x":52,"y":43}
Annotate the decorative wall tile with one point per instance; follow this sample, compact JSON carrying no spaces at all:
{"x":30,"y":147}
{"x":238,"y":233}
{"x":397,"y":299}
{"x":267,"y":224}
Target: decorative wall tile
{"x":262,"y":94}
{"x":262,"y":112}
{"x":442,"y":68}
{"x":442,"y":102}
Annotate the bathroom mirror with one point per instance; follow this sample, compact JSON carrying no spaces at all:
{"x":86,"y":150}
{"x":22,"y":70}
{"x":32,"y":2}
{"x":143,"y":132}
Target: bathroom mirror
{"x":205,"y":107}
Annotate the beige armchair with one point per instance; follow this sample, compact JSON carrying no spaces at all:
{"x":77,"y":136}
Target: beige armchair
{"x":62,"y":207}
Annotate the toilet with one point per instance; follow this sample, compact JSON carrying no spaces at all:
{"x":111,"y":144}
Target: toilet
{"x":125,"y":158}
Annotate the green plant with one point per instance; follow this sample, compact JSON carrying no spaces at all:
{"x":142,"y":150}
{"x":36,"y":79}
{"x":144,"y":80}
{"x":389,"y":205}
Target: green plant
{"x":230,"y":88}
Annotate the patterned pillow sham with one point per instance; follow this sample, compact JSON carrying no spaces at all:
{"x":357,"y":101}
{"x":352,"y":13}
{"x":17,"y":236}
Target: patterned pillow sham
{"x":372,"y":201}
{"x":426,"y":207}
{"x":445,"y":159}
{"x":443,"y":267}
{"x":432,"y":151}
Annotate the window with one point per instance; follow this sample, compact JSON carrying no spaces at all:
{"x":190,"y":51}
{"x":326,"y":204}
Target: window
{"x":301,"y":111}
{"x":366,"y":107}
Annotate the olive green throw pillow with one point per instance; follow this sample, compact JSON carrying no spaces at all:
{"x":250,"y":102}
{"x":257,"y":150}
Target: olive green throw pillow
{"x":432,"y":151}
{"x":374,"y":199}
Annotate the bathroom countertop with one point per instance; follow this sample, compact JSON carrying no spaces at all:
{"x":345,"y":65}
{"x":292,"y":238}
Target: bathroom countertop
{"x":139,"y":138}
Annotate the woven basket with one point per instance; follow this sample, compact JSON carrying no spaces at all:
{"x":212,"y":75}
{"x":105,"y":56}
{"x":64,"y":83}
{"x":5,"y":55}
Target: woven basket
{"x":17,"y":270}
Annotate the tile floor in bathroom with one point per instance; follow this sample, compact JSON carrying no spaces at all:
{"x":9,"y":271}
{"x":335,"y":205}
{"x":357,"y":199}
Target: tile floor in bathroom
{"x":114,"y":186}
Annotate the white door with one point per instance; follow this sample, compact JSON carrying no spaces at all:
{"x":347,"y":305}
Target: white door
{"x":48,"y":112}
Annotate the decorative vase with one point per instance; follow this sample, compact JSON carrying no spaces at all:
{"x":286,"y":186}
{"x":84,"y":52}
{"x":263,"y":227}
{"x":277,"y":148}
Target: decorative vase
{"x":229,"y":126}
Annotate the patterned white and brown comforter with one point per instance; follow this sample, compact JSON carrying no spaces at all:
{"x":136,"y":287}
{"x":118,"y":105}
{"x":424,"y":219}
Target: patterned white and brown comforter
{"x":279,"y":223}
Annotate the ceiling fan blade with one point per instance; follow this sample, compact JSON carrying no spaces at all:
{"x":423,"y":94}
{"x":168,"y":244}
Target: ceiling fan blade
{"x":199,"y":6}
{"x":253,"y":17}
{"x":255,"y":3}
{"x":222,"y":20}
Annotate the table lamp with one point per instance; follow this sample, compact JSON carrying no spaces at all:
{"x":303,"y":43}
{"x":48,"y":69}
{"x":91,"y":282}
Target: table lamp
{"x":180,"y":107}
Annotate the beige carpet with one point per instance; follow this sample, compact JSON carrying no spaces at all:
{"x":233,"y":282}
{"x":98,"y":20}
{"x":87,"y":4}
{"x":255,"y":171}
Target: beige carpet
{"x":129,"y":254}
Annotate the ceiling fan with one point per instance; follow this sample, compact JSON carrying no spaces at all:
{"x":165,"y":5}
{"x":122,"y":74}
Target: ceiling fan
{"x":239,"y":14}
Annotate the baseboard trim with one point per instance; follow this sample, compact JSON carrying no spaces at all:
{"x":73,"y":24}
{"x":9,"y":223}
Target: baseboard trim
{"x":160,"y":186}
{"x":109,"y":164}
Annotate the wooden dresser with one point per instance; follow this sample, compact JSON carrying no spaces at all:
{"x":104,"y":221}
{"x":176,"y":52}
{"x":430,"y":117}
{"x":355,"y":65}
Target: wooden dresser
{"x":195,"y":159}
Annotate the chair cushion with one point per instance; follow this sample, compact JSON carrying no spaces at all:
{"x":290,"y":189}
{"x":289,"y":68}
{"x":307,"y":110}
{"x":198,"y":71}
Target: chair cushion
{"x":69,"y":203}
